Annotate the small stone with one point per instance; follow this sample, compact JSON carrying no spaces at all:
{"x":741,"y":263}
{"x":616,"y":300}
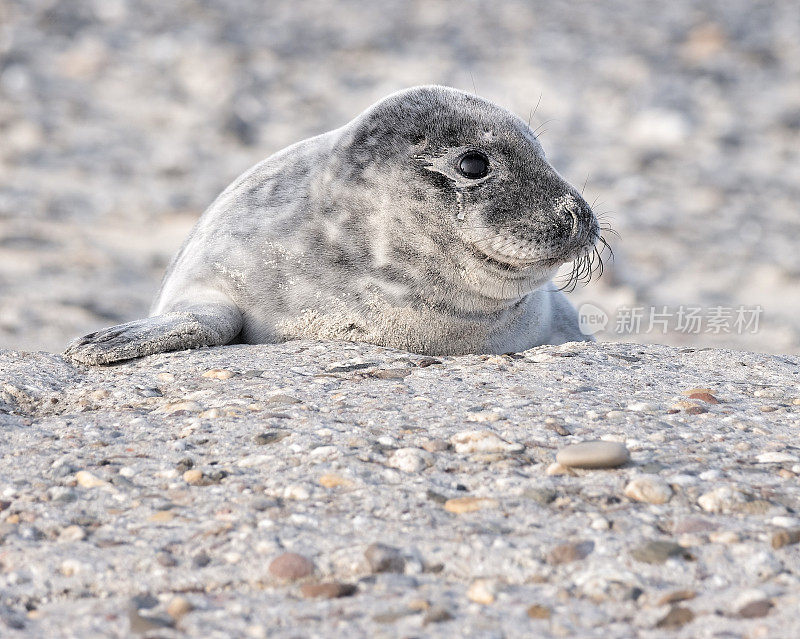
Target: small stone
{"x":178,"y":606}
{"x":692,"y":391}
{"x":201,"y":560}
{"x":70,"y":567}
{"x":411,"y":460}
{"x":541,"y":495}
{"x":676,"y":617}
{"x":557,"y":469}
{"x":166,"y":559}
{"x":85,"y":479}
{"x":72,"y":533}
{"x":755,"y":609}
{"x":219,"y":373}
{"x":783,"y":538}
{"x":675,"y":596}
{"x":327,"y":590}
{"x":695,"y":410}
{"x":332,"y":480}
{"x":461,"y":505}
{"x":384,"y":558}
{"x":693,"y":525}
{"x":482,"y":591}
{"x":436,"y":614}
{"x":721,"y":499}
{"x":161,"y":516}
{"x":657,"y":552}
{"x":166,"y":377}
{"x":556,"y":425}
{"x":566,"y":553}
{"x":193,"y":476}
{"x":188,"y":406}
{"x":724,"y":537}
{"x":704,"y":396}
{"x":298,"y":492}
{"x":283,"y":399}
{"x":435,"y":445}
{"x":538,"y":612}
{"x":290,"y":567}
{"x":777,"y":458}
{"x":483,"y":441}
{"x":270,"y":437}
{"x":648,"y":488}
{"x":593,"y":454}
{"x":642,"y":407}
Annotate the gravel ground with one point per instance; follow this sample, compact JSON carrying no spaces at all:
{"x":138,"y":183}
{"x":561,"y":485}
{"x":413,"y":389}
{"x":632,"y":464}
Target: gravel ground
{"x":162,"y":496}
{"x":121,"y":121}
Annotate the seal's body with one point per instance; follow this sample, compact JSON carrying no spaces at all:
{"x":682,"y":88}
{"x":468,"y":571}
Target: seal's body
{"x":432,"y":223}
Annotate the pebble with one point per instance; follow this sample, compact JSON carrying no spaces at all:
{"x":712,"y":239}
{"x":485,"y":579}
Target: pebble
{"x":648,"y":488}
{"x":86,"y":479}
{"x":537,"y":611}
{"x":721,"y":499}
{"x":482,"y":591}
{"x":193,"y":476}
{"x":776,"y":458}
{"x":566,"y":553}
{"x":219,"y":373}
{"x":675,"y":596}
{"x":436,"y":614}
{"x":72,"y":533}
{"x":461,"y":505}
{"x":384,"y":558}
{"x":485,"y":416}
{"x":483,"y":441}
{"x":411,"y":460}
{"x":332,"y":480}
{"x":593,"y":454}
{"x":298,"y":492}
{"x":642,"y":407}
{"x":435,"y":445}
{"x":557,"y":469}
{"x":270,"y":437}
{"x":676,"y":617}
{"x":327,"y":590}
{"x":724,"y":537}
{"x":657,"y":552}
{"x":755,"y":609}
{"x":178,"y":606}
{"x":783,"y":538}
{"x":291,"y":566}
{"x":704,"y":396}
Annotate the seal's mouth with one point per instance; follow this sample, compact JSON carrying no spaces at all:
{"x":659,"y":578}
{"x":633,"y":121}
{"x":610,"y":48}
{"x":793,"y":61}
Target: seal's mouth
{"x":505,"y":262}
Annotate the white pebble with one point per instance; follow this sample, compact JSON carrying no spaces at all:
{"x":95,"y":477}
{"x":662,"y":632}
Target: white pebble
{"x":411,"y":460}
{"x":720,"y":499}
{"x":593,"y":454}
{"x":297,"y":492}
{"x":483,"y":441}
{"x":648,"y":488}
{"x":776,"y":458}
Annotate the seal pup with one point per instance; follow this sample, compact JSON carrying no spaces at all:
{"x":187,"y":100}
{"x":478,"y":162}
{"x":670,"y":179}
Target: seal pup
{"x":432,"y":223}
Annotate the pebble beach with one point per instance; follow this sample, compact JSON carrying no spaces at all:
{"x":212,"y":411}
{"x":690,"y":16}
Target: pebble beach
{"x":647,"y":485}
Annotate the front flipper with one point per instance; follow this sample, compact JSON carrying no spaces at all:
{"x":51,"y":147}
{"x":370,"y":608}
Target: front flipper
{"x":200,"y":325}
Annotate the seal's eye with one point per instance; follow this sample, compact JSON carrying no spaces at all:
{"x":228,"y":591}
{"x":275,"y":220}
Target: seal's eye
{"x":474,"y":165}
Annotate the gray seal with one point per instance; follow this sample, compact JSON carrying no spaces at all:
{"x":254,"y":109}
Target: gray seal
{"x":432,"y":223}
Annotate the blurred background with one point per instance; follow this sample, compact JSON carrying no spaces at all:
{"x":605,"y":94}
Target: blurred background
{"x":121,"y":120}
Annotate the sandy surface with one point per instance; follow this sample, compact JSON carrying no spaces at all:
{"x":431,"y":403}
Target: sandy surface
{"x":127,"y":487}
{"x":121,"y":121}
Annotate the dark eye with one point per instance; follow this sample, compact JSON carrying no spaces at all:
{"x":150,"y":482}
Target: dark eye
{"x":473,"y":165}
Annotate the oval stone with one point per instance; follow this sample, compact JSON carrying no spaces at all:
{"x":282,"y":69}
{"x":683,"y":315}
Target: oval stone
{"x":593,"y":454}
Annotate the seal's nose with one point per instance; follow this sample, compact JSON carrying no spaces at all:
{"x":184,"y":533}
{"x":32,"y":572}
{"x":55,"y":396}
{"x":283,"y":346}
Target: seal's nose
{"x":579,"y":217}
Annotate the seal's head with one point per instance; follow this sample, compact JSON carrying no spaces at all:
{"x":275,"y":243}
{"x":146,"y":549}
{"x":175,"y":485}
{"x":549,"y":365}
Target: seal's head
{"x":466,"y":194}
